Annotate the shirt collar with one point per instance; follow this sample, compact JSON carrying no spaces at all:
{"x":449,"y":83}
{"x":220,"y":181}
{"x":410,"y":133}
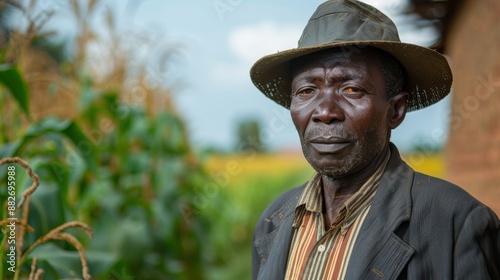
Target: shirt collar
{"x":312,"y":198}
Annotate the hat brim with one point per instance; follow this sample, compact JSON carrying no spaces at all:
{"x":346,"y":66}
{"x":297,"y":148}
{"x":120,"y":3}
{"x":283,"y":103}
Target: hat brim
{"x":429,"y":76}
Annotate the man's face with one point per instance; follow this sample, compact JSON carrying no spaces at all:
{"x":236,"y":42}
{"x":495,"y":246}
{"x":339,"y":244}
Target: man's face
{"x":340,"y":109}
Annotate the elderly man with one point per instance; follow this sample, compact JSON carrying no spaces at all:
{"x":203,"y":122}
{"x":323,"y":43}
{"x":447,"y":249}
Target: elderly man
{"x":365,"y":214}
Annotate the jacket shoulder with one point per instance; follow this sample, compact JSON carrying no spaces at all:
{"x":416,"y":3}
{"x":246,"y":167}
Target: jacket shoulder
{"x":456,"y":229}
{"x":444,"y":201}
{"x":433,"y":189}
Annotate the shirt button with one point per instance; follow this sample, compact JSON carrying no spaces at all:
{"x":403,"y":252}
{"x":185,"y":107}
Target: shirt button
{"x":321,"y":248}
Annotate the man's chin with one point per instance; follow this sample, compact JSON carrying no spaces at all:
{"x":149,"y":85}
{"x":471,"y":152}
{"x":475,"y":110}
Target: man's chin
{"x":336,"y":170}
{"x":335,"y":174}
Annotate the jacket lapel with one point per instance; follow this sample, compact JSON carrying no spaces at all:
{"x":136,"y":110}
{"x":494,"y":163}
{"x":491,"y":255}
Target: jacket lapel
{"x":378,"y":251}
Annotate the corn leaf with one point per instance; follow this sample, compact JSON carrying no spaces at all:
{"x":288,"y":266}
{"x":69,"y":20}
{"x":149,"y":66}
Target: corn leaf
{"x":12,"y":80}
{"x":84,"y":147}
{"x":64,"y":261}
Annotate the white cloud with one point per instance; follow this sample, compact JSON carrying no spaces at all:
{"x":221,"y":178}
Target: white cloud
{"x":252,"y":42}
{"x":248,"y":44}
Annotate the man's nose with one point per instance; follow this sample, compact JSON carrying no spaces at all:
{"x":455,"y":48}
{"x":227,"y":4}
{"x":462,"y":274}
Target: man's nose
{"x":328,"y":109}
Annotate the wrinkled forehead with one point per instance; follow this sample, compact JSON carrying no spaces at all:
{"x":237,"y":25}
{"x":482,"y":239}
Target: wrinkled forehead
{"x":367,"y":56}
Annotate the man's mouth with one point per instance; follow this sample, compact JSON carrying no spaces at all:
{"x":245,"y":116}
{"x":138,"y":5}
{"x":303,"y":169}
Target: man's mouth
{"x":329,"y":144}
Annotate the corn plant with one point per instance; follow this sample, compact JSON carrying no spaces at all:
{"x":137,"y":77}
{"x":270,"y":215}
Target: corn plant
{"x":125,"y":169}
{"x":19,"y":225}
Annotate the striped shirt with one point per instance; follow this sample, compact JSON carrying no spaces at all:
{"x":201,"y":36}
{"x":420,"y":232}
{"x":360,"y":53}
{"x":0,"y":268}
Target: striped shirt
{"x":316,"y":253}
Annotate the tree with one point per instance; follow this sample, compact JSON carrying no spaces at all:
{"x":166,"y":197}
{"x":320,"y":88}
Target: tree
{"x":248,"y":135}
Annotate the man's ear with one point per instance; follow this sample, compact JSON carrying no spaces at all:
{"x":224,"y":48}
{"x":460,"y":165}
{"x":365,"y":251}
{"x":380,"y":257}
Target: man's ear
{"x":398,"y":105}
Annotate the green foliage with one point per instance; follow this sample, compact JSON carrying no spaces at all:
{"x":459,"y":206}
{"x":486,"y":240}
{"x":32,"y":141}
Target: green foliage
{"x":133,"y":181}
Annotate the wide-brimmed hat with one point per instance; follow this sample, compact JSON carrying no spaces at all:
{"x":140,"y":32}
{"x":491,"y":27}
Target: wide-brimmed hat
{"x":351,"y":26}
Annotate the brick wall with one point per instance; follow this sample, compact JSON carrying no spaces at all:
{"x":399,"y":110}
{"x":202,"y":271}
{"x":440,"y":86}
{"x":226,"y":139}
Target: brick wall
{"x":473,"y":151}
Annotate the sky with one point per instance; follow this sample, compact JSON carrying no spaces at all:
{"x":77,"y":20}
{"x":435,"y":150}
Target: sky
{"x":220,"y":40}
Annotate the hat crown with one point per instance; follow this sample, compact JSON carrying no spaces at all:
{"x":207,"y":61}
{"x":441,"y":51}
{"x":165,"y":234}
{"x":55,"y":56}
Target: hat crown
{"x":347,"y":21}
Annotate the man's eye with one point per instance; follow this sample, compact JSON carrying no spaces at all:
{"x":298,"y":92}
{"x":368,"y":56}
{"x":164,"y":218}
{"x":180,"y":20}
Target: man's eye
{"x":353,"y":92}
{"x":352,"y":89}
{"x":305,"y":91}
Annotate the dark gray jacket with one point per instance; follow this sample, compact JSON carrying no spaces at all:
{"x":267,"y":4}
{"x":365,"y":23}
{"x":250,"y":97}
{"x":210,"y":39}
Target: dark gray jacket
{"x":419,"y":227}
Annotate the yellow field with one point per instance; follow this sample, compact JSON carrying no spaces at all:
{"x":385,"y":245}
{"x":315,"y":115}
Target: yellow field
{"x":258,"y":163}
{"x":431,"y":164}
{"x":242,"y":166}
